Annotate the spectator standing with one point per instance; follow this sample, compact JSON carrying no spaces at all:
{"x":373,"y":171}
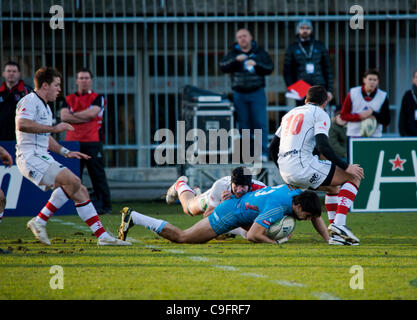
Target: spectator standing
{"x":366,"y":101}
{"x":408,"y":114}
{"x":84,"y":111}
{"x":248,"y":64}
{"x":308,"y":59}
{"x":11,"y":91}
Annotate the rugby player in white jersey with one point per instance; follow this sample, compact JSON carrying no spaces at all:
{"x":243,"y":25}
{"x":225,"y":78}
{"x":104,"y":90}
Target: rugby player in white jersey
{"x":302,"y":130}
{"x":193,"y":204}
{"x":33,"y":135}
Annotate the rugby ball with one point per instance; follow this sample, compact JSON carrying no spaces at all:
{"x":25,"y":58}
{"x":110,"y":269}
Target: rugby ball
{"x":281,"y":228}
{"x":368,"y":127}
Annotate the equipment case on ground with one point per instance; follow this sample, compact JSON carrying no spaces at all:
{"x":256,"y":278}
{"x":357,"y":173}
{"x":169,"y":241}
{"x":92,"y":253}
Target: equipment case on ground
{"x":208,"y":111}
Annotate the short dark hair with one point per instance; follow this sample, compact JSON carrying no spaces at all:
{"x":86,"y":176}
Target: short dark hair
{"x":309,"y":202}
{"x":373,"y":72}
{"x":243,"y":28}
{"x":241,"y":176}
{"x":85,"y":69}
{"x":45,"y":74}
{"x":317,"y":95}
{"x":11,"y":63}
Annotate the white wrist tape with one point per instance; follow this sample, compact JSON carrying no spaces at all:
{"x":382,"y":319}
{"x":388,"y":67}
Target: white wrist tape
{"x":64,"y":152}
{"x":282,"y":240}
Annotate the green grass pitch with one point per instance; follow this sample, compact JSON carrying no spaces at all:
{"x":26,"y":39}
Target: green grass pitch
{"x":305,"y":268}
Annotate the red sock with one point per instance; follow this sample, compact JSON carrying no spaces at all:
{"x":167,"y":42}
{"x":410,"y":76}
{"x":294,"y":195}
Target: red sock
{"x":182,"y":187}
{"x":346,"y":197}
{"x":330,"y":202}
{"x":56,"y":201}
{"x":88,"y":214}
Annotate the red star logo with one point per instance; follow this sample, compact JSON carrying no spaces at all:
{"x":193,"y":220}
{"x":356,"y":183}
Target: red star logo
{"x":397,"y":163}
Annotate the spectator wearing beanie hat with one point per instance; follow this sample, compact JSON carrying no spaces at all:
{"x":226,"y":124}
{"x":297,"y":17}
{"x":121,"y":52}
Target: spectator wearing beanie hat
{"x":308,"y":59}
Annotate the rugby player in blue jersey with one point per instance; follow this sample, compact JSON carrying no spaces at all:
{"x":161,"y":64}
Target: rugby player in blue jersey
{"x":256,"y":211}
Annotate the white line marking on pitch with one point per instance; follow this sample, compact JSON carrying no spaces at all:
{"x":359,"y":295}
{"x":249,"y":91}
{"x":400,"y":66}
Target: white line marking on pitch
{"x":253,"y":275}
{"x":325,"y":296}
{"x":72,"y":224}
{"x":193,"y":258}
{"x":132,"y":240}
{"x":288,"y":283}
{"x":175,"y":251}
{"x":227,"y":268}
{"x":319,"y":295}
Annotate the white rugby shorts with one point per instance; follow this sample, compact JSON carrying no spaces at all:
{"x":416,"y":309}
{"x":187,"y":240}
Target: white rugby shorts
{"x":41,"y":169}
{"x":305,"y":175}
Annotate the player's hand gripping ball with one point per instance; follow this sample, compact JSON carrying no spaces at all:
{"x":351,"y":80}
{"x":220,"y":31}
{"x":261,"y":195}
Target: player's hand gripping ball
{"x":281,"y":228}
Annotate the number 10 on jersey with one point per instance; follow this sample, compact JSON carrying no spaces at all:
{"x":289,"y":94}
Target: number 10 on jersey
{"x":294,"y":124}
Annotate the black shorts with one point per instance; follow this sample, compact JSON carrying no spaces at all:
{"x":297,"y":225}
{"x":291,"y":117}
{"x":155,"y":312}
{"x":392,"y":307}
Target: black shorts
{"x":330,"y":176}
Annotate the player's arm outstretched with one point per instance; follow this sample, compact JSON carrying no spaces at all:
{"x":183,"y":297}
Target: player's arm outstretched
{"x":320,"y":227}
{"x":54,"y":146}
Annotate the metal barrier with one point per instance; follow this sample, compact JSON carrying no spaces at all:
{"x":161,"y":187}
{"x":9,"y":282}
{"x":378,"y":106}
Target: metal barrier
{"x":143,"y":52}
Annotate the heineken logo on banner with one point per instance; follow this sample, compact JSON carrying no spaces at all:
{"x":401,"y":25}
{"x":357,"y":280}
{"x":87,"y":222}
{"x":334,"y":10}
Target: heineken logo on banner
{"x":390,"y":166}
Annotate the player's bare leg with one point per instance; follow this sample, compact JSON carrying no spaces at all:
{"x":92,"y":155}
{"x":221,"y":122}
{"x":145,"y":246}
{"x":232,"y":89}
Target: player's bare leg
{"x":71,"y":184}
{"x":199,"y":233}
{"x":190,"y":203}
{"x":181,"y":191}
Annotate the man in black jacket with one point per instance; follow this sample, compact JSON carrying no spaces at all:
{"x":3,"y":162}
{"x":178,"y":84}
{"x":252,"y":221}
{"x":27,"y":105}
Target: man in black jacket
{"x":408,"y":114}
{"x":11,"y":91}
{"x":307,"y":59}
{"x":248,"y":64}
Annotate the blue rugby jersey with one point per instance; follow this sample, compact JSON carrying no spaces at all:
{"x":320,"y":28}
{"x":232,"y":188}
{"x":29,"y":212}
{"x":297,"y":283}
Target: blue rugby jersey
{"x":267,"y":205}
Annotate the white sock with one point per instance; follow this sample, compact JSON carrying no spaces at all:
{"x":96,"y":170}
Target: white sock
{"x":182,"y":186}
{"x":1,"y":215}
{"x":340,"y":220}
{"x":150,"y":223}
{"x":57,"y":200}
{"x":239,"y":232}
{"x":88,"y":214}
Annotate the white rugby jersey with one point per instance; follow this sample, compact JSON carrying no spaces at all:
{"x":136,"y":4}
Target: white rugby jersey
{"x":297,"y":133}
{"x":359,"y":104}
{"x":224,"y":184}
{"x":32,"y":107}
